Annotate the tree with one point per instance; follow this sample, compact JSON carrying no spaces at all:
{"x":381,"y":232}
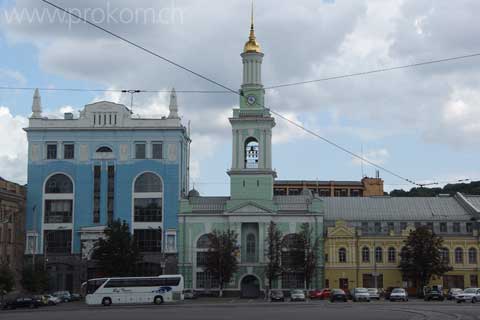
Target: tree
{"x":273,"y":253}
{"x":7,"y":280}
{"x":420,"y":258}
{"x":311,"y":247}
{"x":222,"y":256}
{"x":34,"y":278}
{"x":117,"y":255}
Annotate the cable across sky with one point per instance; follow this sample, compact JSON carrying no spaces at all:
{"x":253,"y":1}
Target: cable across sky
{"x":343,"y":149}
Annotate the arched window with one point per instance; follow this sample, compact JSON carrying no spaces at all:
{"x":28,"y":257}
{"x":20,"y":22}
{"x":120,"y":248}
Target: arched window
{"x":472,"y":256}
{"x":378,"y":255}
{"x":251,"y":153}
{"x":203,"y":244}
{"x":392,"y":255}
{"x":148,"y":207}
{"x":342,"y":255}
{"x":445,"y":255}
{"x":104,"y":149}
{"x":458,"y":255}
{"x":251,"y":248}
{"x":59,"y":183}
{"x":365,"y":254}
{"x":148,"y":182}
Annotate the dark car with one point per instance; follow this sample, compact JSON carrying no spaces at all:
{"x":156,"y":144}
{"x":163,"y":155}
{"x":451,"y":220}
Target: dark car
{"x":319,"y":294}
{"x":23,"y":302}
{"x":433,"y":294}
{"x":76,"y":297}
{"x":453,"y":293}
{"x":277,"y":295}
{"x":338,"y":295}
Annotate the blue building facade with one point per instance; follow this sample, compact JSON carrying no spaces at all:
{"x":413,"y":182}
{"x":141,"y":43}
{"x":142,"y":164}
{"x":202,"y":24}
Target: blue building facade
{"x":86,"y":171}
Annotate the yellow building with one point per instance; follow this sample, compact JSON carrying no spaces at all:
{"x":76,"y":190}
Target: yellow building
{"x":364,"y":237}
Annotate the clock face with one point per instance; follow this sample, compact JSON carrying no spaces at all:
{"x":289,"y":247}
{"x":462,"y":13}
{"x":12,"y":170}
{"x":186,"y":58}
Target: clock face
{"x":251,"y":100}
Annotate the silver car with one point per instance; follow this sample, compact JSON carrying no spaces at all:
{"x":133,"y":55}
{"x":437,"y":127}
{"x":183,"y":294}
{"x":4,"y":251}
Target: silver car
{"x":374,"y":293}
{"x":297,"y":295}
{"x":360,"y":294}
{"x":469,"y":295}
{"x":398,"y":294}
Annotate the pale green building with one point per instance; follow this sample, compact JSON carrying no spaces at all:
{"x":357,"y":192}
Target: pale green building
{"x":251,"y":205}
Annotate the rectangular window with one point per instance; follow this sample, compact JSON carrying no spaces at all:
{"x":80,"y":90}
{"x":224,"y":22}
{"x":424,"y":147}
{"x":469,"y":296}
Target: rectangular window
{"x":148,"y":210}
{"x":294,"y":191}
{"x":51,"y":151}
{"x":456,"y":227}
{"x":157,"y":150}
{"x":97,"y":173}
{"x":58,"y":211}
{"x":430,"y":226}
{"x":171,"y":245}
{"x":68,"y":151}
{"x":111,"y":193}
{"x":469,"y":227}
{"x":473,"y":281}
{"x":58,"y":241}
{"x":148,"y":240}
{"x":279,"y":191}
{"x":443,"y":227}
{"x":364,"y":227}
{"x":341,"y":192}
{"x":140,"y":151}
{"x":356,"y":193}
{"x":391,"y":227}
{"x":403,"y":226}
{"x":292,"y":280}
{"x":418,"y":225}
{"x":378,"y":227}
{"x":324,"y":192}
{"x":207,"y":280}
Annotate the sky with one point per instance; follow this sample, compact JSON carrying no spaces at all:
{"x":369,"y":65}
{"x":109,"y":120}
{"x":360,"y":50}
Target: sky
{"x":421,"y":123}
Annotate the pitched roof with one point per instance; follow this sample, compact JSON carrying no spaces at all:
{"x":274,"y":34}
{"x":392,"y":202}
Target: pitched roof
{"x":474,"y":201}
{"x":394,"y":208}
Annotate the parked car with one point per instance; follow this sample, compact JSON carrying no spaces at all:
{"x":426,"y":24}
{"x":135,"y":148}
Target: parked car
{"x":433,"y":293}
{"x":319,"y":294}
{"x":469,"y":294}
{"x":374,"y":293}
{"x":360,"y":294}
{"x":50,"y":300}
{"x":65,"y":296}
{"x":338,"y":295}
{"x":190,"y":294}
{"x":453,"y":292}
{"x":398,"y":294}
{"x":277,"y":295}
{"x":297,"y":295}
{"x":387,"y":292}
{"x":76,"y":297}
{"x":22,"y":302}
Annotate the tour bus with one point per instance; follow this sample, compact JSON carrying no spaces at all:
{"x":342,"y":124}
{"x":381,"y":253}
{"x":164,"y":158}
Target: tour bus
{"x":134,"y":290}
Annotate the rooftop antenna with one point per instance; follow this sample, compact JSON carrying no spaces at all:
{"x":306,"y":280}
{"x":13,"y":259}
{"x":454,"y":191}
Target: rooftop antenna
{"x":132,"y":92}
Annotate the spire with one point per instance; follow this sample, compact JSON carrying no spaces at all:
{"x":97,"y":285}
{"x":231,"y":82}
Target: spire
{"x":252,"y":45}
{"x":173,"y":107}
{"x":36,"y":105}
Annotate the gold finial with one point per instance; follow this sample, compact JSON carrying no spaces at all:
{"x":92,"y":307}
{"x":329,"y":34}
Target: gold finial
{"x":252,"y":45}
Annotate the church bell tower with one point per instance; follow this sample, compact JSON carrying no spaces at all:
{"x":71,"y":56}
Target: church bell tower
{"x":251,"y":174}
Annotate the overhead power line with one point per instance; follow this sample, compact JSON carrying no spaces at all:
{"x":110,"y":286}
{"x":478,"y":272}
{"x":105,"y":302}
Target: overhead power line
{"x":412,"y":65}
{"x":233,"y":91}
{"x":109,"y":90}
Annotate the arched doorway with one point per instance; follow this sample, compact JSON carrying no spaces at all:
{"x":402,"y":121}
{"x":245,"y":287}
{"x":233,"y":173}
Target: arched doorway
{"x":250,"y":287}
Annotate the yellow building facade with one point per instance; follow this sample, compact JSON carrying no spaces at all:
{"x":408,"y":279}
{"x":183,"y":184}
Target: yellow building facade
{"x":364,"y":251}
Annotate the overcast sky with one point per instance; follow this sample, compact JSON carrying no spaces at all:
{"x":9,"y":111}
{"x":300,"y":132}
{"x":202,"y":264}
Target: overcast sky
{"x":422,"y":123}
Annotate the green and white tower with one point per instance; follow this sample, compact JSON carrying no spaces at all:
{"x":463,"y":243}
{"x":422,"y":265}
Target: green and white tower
{"x":251,"y":174}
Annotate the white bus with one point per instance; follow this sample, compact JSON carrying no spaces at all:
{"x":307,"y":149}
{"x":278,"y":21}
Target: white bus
{"x":138,"y":290}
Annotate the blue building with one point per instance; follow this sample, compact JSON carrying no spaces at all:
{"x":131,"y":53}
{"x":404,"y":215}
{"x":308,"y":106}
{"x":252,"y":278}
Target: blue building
{"x":104,"y":165}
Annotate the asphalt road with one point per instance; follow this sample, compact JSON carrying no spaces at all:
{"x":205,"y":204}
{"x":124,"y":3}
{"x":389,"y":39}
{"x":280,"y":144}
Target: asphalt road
{"x":253,"y":310}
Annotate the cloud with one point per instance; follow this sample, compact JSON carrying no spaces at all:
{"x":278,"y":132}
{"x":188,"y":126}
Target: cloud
{"x":13,"y":146}
{"x":377,"y":156}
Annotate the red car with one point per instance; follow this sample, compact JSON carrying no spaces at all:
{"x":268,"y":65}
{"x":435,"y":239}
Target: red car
{"x":319,"y":294}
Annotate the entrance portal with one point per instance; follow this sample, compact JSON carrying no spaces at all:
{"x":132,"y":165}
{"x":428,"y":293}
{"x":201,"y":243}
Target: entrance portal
{"x":250,"y":287}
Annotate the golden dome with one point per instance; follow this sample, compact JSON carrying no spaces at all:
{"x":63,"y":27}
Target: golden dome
{"x":252,"y":45}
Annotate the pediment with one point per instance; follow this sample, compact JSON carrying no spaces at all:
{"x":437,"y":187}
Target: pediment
{"x":341,"y":230}
{"x":249,"y":207}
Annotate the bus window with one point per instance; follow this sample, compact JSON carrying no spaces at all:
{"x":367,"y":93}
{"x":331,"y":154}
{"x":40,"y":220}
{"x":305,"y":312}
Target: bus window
{"x":93,"y":285}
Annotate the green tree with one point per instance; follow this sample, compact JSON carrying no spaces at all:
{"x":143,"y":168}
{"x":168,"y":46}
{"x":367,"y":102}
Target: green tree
{"x":7,"y":280}
{"x":311,"y":249}
{"x":420,"y":258}
{"x":34,"y":278}
{"x":117,"y":254}
{"x":273,"y":253}
{"x":222,"y":256}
